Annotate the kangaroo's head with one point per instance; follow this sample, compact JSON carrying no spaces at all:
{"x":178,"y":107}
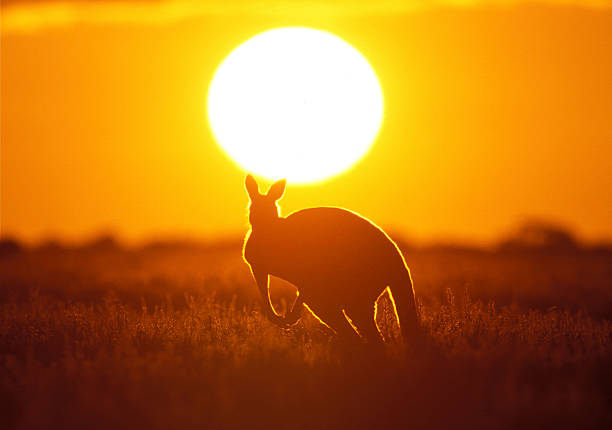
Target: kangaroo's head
{"x":263,"y":210}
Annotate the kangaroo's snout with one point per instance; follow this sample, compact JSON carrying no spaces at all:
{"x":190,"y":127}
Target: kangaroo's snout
{"x":263,"y":208}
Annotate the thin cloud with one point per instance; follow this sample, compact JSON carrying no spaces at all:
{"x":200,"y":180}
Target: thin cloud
{"x":23,"y":16}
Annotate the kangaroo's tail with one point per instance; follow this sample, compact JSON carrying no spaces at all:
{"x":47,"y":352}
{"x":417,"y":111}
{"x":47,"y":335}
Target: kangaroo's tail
{"x":405,"y":307}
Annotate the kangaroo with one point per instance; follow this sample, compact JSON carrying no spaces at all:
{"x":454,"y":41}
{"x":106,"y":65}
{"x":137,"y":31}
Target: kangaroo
{"x":339,"y":261}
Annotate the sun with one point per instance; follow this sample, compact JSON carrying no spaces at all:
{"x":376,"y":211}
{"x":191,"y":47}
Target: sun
{"x":295,"y":103}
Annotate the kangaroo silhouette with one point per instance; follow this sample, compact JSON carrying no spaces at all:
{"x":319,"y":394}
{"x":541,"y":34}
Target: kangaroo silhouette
{"x":339,"y":261}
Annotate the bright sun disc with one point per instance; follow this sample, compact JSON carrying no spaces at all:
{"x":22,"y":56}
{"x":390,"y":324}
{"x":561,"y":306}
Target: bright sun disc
{"x":295,"y":103}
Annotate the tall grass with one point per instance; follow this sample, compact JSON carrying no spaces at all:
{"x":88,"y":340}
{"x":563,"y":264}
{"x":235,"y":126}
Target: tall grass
{"x":171,"y":337}
{"x":211,"y":363}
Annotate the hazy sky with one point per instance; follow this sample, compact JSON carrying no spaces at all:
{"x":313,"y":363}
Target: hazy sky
{"x":495,"y":111}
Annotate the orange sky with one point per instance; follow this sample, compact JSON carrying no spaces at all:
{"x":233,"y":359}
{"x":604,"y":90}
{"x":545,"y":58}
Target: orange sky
{"x":493,"y":113}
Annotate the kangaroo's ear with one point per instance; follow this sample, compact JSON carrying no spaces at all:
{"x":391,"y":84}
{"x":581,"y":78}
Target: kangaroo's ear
{"x":251,"y":186}
{"x":277,"y":189}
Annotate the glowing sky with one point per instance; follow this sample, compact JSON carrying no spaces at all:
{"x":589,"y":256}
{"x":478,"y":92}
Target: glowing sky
{"x":494,"y":111}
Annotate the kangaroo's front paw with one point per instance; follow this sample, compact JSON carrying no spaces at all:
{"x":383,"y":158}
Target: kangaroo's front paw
{"x":283,"y":323}
{"x":278,"y":320}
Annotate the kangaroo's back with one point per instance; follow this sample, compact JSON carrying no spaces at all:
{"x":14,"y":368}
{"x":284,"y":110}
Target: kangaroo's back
{"x":337,"y":234}
{"x":326,"y":245}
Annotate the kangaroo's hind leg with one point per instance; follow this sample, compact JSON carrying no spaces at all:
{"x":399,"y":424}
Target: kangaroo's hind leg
{"x":334,"y":318}
{"x":362,"y":316}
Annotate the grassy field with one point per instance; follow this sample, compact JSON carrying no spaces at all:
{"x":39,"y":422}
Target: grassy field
{"x":170,"y":336}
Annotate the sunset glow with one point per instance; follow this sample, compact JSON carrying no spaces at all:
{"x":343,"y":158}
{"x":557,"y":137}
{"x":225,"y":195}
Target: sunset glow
{"x":295,"y":103}
{"x":493,"y":113}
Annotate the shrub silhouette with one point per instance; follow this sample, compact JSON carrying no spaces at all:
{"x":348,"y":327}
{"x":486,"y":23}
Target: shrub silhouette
{"x":540,"y":235}
{"x":9,"y":246}
{"x":340,"y":262}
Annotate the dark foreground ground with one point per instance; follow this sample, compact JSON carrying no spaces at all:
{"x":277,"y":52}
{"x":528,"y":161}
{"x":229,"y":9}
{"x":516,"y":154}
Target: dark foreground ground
{"x":170,"y":336}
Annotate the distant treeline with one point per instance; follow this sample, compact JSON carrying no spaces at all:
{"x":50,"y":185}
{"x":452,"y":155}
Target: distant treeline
{"x":529,"y":236}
